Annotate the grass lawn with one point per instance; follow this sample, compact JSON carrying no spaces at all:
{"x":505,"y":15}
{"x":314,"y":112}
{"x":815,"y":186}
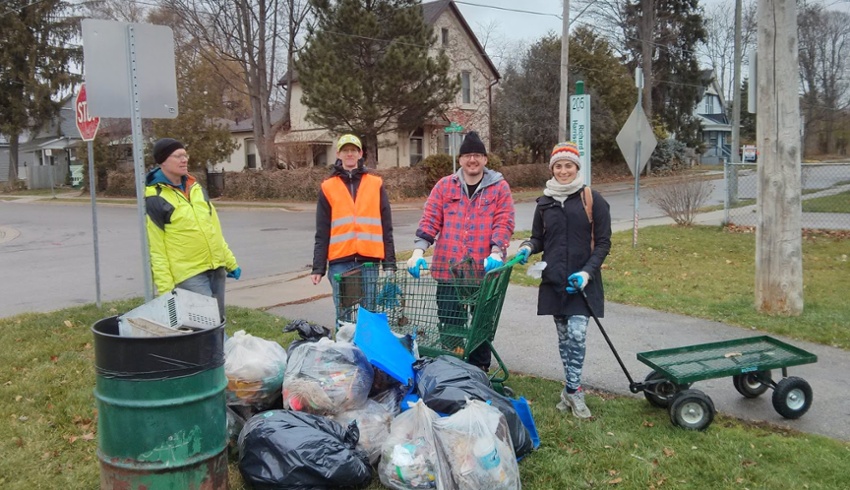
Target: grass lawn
{"x":836,"y":203}
{"x":709,"y":272}
{"x":48,"y":436}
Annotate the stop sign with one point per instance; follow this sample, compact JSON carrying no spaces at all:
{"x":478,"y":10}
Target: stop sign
{"x":85,"y":122}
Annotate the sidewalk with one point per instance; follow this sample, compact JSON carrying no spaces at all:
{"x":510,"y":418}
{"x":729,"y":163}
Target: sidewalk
{"x":528,"y":344}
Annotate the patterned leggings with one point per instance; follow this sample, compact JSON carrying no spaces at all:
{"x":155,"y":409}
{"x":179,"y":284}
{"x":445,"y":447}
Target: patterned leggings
{"x":572,"y":334}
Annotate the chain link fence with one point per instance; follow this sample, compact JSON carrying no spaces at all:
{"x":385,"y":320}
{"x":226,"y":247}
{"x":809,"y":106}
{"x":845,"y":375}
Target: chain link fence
{"x":825,"y":195}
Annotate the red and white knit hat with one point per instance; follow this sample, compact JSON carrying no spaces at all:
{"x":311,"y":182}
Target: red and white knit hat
{"x":565,"y":151}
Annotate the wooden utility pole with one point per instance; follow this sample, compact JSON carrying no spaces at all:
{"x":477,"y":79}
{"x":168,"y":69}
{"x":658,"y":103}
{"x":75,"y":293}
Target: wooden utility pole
{"x":563,"y":99}
{"x":779,"y":260}
{"x":646,"y":28}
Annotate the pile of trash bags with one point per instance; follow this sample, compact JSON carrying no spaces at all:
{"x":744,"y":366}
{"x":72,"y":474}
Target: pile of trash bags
{"x":331,"y":413}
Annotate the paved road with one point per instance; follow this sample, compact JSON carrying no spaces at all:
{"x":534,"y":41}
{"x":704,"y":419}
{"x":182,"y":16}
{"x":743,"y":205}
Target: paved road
{"x":47,"y":246}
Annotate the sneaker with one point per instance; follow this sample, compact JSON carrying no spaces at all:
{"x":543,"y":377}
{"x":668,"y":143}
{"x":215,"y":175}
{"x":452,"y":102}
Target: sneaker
{"x":574,"y":402}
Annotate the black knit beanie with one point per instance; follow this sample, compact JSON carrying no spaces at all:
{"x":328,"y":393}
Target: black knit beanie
{"x":163,"y":148}
{"x":472,"y":144}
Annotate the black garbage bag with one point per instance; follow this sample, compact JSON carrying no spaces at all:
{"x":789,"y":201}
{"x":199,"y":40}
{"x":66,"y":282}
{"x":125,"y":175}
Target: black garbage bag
{"x":307,"y":332}
{"x":297,"y":450}
{"x":445,"y":382}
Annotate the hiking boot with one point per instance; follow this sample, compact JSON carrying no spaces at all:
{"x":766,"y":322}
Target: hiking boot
{"x":574,"y":402}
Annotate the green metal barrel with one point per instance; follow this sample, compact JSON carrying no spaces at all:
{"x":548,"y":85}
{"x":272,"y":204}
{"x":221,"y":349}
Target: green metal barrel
{"x":161,"y":410}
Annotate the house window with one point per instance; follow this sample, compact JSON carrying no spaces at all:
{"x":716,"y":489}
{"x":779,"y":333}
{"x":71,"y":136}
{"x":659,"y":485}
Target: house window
{"x":416,"y":146}
{"x":709,"y":105}
{"x":250,"y":154}
{"x":444,"y":35}
{"x":447,"y":143}
{"x":465,"y":87}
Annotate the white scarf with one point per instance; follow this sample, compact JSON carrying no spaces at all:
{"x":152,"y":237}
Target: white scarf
{"x":560,"y":192}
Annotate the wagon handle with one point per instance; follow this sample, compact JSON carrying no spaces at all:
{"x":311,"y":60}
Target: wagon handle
{"x":633,"y":387}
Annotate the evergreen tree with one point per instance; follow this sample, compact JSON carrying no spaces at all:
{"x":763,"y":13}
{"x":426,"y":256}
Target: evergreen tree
{"x":35,"y":53}
{"x":675,"y":79}
{"x":525,"y":108}
{"x":366,"y":69}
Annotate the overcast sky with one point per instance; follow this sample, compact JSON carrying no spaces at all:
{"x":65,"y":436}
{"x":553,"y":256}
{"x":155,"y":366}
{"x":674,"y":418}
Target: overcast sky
{"x":515,"y":25}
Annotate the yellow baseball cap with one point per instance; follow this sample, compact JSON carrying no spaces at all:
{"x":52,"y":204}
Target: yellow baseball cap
{"x":348,"y":139}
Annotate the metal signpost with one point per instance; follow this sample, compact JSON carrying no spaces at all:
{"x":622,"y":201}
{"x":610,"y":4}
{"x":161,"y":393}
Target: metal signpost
{"x":453,"y":130}
{"x":580,"y":127}
{"x":637,"y":143}
{"x":88,"y":125}
{"x":130,"y":72}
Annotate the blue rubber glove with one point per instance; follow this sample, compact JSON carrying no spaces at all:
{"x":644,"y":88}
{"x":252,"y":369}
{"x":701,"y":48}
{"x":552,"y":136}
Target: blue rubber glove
{"x":493,"y":261}
{"x":523,"y":254}
{"x":416,"y":262}
{"x":235,"y":273}
{"x":577,"y":281}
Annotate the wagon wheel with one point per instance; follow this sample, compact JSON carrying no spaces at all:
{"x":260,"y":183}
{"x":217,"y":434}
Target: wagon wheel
{"x":692,"y":410}
{"x":752,"y":385}
{"x":659,"y":391}
{"x":792,"y":397}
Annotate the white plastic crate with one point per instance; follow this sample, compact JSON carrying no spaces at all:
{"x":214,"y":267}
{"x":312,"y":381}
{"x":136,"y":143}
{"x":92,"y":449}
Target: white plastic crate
{"x":175,"y":309}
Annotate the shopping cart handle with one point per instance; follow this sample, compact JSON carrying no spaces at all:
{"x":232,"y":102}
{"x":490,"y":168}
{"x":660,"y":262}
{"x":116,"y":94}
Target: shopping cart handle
{"x":514,"y":261}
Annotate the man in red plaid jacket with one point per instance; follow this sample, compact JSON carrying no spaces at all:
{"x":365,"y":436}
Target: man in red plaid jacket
{"x":470,"y":215}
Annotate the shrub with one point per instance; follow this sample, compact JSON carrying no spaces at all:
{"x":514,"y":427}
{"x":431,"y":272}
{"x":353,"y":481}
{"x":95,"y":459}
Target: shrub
{"x":532,"y":175}
{"x":120,"y":184}
{"x":437,"y":166}
{"x":681,"y":198}
{"x":669,"y":155}
{"x":494,"y":162}
{"x":519,"y":155}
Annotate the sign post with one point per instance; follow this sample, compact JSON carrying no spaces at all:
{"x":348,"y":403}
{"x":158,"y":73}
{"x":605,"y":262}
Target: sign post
{"x":580,"y":127}
{"x":88,"y":125}
{"x":131,"y":72}
{"x":637,"y":143}
{"x":453,"y":130}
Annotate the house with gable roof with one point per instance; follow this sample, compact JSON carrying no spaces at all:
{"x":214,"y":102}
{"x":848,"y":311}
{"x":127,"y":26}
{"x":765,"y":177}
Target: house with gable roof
{"x":307,"y":144}
{"x":716,"y":128}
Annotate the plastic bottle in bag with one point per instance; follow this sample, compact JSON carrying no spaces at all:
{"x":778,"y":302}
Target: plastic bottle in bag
{"x":487,"y":456}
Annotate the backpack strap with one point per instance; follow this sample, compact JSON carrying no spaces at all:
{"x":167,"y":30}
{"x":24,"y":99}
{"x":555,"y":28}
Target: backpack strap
{"x":587,"y":200}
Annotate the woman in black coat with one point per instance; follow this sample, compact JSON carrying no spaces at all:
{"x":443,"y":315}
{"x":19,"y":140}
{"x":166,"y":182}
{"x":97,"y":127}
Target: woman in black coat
{"x":574,"y":248}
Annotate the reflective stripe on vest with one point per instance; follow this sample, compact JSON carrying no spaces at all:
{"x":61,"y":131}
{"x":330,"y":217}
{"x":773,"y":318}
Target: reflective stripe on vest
{"x":355,"y":225}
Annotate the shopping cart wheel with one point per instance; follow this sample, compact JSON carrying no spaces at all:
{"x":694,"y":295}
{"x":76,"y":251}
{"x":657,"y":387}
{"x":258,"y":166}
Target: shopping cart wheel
{"x":508,"y":392}
{"x":792,"y":397}
{"x":659,"y":391}
{"x":752,"y":385}
{"x":692,"y":410}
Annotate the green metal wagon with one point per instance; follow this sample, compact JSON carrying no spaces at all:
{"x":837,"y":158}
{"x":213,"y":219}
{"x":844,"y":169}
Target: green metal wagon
{"x":749,"y":361}
{"x":448,"y":312}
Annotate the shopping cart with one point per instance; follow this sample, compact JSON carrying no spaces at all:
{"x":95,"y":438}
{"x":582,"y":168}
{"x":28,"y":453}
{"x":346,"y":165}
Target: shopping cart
{"x":448,"y":311}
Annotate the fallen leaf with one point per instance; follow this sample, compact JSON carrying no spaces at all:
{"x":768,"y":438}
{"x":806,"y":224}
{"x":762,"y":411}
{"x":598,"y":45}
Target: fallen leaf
{"x":71,"y":439}
{"x":694,"y":448}
{"x":23,"y":418}
{"x":747,"y":463}
{"x":610,"y":433}
{"x":607,"y":447}
{"x":54,"y":358}
{"x":728,"y":261}
{"x":668,"y":452}
{"x":19,"y":442}
{"x":18,"y":398}
{"x":739,"y":480}
{"x":69,"y":323}
{"x":647,"y":423}
{"x":88,"y":436}
{"x":627,"y":273}
{"x":615,"y":481}
{"x":613,"y":472}
{"x":87,"y":345}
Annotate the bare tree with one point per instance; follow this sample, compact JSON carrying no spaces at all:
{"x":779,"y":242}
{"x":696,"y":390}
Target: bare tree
{"x":720,"y":45}
{"x":682,"y":198}
{"x":824,"y":47}
{"x":250,"y":34}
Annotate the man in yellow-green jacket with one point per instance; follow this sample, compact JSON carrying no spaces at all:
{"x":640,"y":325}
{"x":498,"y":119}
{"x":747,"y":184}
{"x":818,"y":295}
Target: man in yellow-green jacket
{"x":187,"y":248}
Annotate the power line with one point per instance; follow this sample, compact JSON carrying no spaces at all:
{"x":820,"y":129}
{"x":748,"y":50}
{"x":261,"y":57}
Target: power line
{"x":494,"y":7}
